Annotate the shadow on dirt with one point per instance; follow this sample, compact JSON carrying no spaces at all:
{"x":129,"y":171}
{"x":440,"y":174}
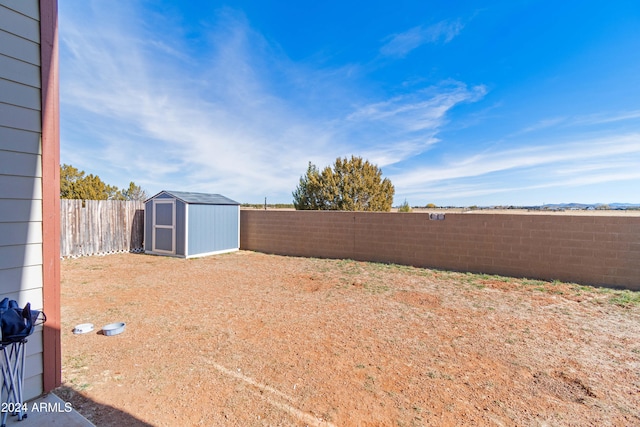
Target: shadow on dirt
{"x":99,"y":414}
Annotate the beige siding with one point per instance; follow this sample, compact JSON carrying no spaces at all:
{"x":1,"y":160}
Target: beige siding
{"x":19,"y":233}
{"x":19,"y":48}
{"x":20,"y":210}
{"x":20,"y":187}
{"x":20,"y":95}
{"x":20,"y":164}
{"x":21,"y":170}
{"x":19,"y":24}
{"x":19,"y":256}
{"x":19,"y":71}
{"x":28,"y":8}
{"x":13,"y":116}
{"x":20,"y":141}
{"x":34,"y":365}
{"x":21,"y":278}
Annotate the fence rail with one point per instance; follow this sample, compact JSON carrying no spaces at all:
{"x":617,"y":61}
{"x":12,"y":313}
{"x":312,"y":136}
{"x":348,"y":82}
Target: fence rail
{"x":94,"y":227}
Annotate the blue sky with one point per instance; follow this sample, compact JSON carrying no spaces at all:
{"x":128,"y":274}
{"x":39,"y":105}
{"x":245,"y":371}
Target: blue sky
{"x":459,"y":103}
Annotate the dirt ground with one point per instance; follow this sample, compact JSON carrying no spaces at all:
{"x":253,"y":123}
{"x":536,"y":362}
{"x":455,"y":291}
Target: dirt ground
{"x":249,"y":339}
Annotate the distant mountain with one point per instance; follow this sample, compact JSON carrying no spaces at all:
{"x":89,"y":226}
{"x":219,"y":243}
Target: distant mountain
{"x":582,"y":206}
{"x":570,"y":206}
{"x":624,"y":205}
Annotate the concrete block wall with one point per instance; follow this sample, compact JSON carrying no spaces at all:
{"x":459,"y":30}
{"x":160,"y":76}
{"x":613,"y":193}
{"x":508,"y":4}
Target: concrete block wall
{"x":593,"y":250}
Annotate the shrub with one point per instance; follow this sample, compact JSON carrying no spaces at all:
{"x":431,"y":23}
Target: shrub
{"x":404,"y":207}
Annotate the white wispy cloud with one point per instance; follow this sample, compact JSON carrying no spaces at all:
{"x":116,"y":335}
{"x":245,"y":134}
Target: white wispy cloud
{"x":221,"y":119}
{"x":558,"y":164}
{"x":407,"y":125}
{"x":597,"y":119}
{"x":579,"y":121}
{"x":424,"y":109}
{"x":399,"y":45}
{"x":540,"y":125}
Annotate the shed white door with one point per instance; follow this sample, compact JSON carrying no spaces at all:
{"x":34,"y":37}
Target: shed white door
{"x":164,"y":226}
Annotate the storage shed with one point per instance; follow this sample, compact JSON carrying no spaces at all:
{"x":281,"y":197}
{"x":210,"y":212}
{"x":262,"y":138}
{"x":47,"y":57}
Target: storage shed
{"x":185,"y":224}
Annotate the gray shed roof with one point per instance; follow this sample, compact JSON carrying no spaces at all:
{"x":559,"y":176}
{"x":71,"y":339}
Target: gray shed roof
{"x":199,"y":198}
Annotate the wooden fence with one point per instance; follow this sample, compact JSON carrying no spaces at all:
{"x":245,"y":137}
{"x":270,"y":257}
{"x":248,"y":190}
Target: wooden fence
{"x":96,"y":227}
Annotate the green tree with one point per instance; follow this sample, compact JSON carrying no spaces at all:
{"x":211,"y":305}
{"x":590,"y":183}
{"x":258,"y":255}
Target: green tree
{"x":351,"y":185}
{"x":70,"y":178}
{"x":134,"y":192}
{"x":309,"y":194}
{"x":74,"y":184}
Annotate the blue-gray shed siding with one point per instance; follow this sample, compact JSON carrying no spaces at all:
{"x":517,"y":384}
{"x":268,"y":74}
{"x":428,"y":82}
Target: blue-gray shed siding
{"x":164,"y":239}
{"x":148,"y":226}
{"x":180,"y":228}
{"x":200,"y":228}
{"x":213,"y":228}
{"x":164,"y":214}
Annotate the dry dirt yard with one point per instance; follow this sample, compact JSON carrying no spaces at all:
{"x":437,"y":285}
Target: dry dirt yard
{"x":249,"y":339}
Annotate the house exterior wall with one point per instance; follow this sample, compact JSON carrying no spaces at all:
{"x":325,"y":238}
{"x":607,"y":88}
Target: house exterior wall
{"x":212,"y":229}
{"x":29,"y":178}
{"x":595,"y":250}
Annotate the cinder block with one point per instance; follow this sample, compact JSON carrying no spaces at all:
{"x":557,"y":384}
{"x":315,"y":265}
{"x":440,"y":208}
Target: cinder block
{"x":571,"y":248}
